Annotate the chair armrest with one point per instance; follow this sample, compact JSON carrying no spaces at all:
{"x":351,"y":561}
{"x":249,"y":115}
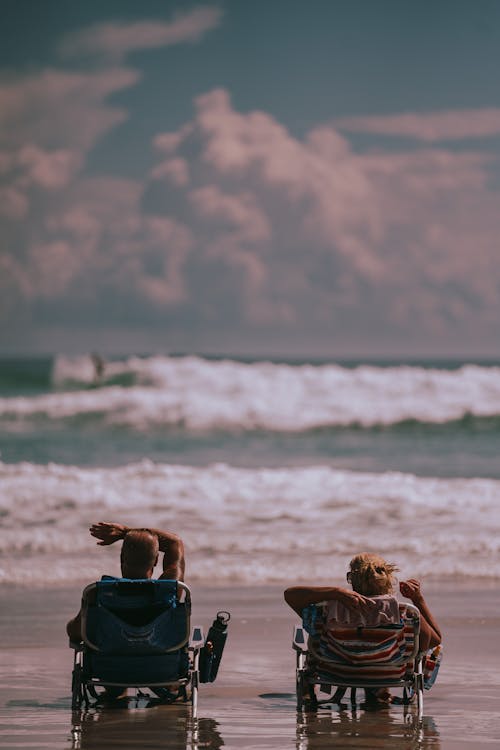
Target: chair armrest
{"x":299,"y":642}
{"x":413,"y":616}
{"x":196,"y":638}
{"x":76,"y":645}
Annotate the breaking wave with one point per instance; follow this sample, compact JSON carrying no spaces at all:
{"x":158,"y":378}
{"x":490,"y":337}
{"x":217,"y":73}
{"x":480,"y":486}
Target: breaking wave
{"x":247,"y":525}
{"x":200,"y":394}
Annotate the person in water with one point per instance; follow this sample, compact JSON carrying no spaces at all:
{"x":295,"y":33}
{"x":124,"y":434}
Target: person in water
{"x":99,"y":366}
{"x":371,"y":579}
{"x":138,"y":557}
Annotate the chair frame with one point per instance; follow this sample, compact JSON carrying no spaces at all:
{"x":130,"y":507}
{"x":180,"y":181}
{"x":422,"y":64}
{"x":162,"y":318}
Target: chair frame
{"x":83,"y":687}
{"x":306,"y":682}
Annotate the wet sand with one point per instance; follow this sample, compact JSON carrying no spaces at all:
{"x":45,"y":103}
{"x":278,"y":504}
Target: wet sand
{"x":252,"y":703}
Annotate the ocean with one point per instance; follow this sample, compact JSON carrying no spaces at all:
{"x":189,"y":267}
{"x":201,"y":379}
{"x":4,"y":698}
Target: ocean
{"x":271,"y":471}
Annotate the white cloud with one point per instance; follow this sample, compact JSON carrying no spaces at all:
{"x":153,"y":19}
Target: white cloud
{"x":70,"y":237}
{"x":48,"y":169}
{"x":13,"y":203}
{"x":174,"y":170}
{"x":111,"y":42}
{"x":40,"y":110}
{"x":240,"y":212}
{"x":240,"y":223}
{"x":57,"y":107}
{"x":98,"y":238}
{"x":170,"y":241}
{"x":408,"y":226}
{"x":53,"y":266}
{"x":168,"y":143}
{"x":428,"y":127}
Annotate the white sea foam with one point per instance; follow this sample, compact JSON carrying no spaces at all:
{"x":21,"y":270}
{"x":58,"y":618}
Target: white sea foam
{"x":201,"y":395}
{"x":247,"y":525}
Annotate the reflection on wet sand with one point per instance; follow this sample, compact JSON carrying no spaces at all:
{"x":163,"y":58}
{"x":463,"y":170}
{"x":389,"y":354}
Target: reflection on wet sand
{"x":363,"y":729}
{"x":143,"y":726}
{"x":137,"y":725}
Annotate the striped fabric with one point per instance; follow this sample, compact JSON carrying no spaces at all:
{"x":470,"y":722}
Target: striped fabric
{"x":362,"y":654}
{"x":432,"y":662}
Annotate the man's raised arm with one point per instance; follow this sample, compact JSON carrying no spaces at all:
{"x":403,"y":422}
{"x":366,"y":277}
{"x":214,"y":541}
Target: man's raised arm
{"x":170,"y":544}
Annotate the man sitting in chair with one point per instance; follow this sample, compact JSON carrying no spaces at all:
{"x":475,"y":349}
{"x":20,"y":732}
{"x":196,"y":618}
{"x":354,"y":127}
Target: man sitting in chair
{"x":138,"y":557}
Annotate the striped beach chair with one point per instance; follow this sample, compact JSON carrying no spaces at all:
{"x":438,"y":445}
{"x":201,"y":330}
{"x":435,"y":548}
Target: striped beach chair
{"x":370,"y":657}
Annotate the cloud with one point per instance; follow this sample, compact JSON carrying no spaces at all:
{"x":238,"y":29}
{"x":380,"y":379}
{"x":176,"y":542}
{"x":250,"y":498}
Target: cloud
{"x":53,"y":266}
{"x":69,"y":241}
{"x":314,"y":230}
{"x":95,"y":246}
{"x":49,"y":121}
{"x":428,"y":127}
{"x":320,"y":172}
{"x":112,"y":42}
{"x":59,"y":109}
{"x":170,"y":241}
{"x":240,"y":212}
{"x":173,"y":170}
{"x":49,"y":170}
{"x":13,"y":203}
{"x":239,"y":225}
{"x":114,"y":240}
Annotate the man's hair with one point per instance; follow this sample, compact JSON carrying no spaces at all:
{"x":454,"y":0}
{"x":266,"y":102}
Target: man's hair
{"x":139,"y":552}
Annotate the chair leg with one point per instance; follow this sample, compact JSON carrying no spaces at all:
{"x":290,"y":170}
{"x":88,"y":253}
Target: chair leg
{"x":194,"y":694}
{"x":338,"y":695}
{"x":76,"y":688}
{"x":419,"y":686}
{"x":420,"y":695}
{"x":195,"y":681}
{"x":299,"y":688}
{"x":306,"y":695}
{"x":312,"y":702}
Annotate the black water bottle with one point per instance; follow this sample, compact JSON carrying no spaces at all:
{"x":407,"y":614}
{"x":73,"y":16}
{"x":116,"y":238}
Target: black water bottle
{"x":211,"y":653}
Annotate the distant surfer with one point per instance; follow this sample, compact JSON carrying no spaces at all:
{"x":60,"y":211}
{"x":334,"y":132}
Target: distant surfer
{"x":99,"y":365}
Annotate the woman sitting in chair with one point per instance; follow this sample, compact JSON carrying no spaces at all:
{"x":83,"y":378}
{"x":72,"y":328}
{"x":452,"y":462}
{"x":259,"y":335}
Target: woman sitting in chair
{"x":372,"y":580}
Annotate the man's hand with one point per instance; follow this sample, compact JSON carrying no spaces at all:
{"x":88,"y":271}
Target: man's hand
{"x":411,"y":590}
{"x":108,"y":533}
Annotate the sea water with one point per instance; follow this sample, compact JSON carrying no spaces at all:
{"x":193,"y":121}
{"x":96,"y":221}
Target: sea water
{"x":270,"y":471}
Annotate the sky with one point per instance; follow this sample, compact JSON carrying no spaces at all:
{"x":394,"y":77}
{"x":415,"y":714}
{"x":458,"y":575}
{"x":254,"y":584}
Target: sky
{"x":289,"y":177}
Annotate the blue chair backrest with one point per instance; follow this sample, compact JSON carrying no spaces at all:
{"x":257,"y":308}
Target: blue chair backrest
{"x":135,"y":617}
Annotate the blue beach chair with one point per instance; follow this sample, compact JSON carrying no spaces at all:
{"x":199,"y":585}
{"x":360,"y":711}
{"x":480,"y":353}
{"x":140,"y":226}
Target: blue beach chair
{"x":339,"y":658}
{"x":137,"y":634}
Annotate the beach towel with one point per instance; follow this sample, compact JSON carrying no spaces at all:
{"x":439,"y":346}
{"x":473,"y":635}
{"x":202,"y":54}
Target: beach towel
{"x":385,"y":611}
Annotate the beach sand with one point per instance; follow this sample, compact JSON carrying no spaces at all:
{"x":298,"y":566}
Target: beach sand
{"x":252,"y":703}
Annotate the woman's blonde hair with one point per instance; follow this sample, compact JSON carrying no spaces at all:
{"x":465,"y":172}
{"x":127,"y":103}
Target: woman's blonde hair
{"x":371,"y":575}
